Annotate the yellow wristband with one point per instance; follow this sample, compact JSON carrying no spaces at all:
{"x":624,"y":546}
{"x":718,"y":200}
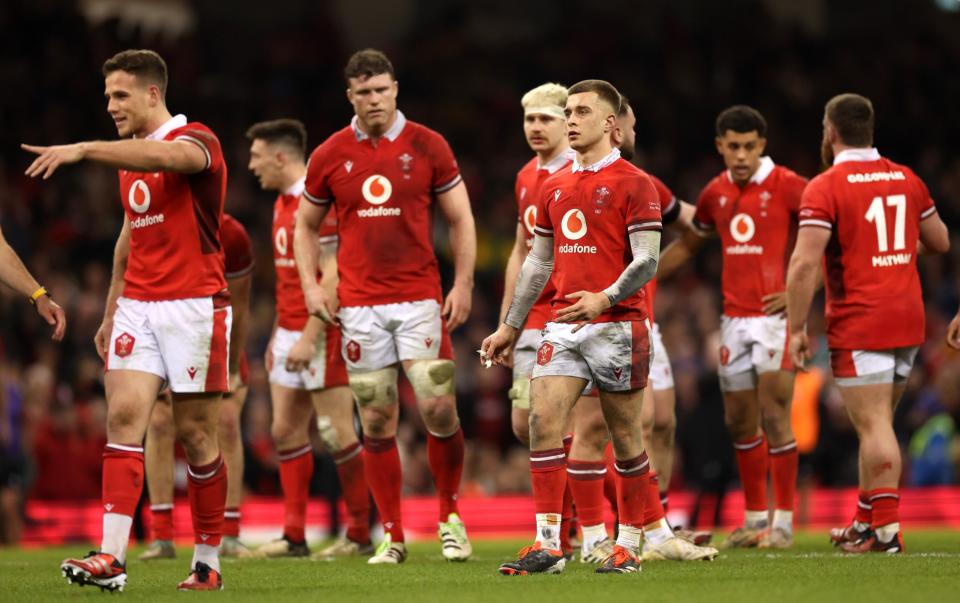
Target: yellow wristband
{"x":37,"y":294}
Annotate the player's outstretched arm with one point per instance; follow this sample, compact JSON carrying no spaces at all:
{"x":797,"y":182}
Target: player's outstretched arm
{"x":137,"y":155}
{"x":16,"y":276}
{"x":455,"y":207}
{"x":645,"y":246}
{"x":802,"y":277}
{"x":680,"y":252}
{"x":517,"y":255}
{"x":534,"y":274}
{"x":306,"y":249}
{"x":934,"y":237}
{"x":120,"y":252}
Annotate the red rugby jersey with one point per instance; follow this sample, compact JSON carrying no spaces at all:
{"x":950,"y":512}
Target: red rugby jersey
{"x":590,"y":212}
{"x":291,"y":308}
{"x":529,"y":179}
{"x":757,"y":226}
{"x":873,"y":207}
{"x":384,"y":194}
{"x":175,"y":250}
{"x":237,"y":249}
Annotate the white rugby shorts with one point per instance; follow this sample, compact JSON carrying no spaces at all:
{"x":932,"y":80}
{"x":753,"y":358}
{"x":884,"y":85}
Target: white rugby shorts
{"x":326,"y":368}
{"x":749,"y":346}
{"x":870,"y":367}
{"x":186,"y":342}
{"x":375,"y":337}
{"x":615,"y":355}
{"x":661,"y":374}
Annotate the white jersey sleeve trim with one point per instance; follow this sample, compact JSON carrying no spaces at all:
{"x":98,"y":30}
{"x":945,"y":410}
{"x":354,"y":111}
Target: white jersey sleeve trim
{"x":818,"y":223}
{"x":928,"y":212}
{"x":315,"y":200}
{"x":445,"y":187}
{"x":199,"y":143}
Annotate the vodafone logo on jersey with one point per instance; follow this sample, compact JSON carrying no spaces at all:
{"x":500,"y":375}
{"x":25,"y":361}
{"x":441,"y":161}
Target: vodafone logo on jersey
{"x":139,"y":199}
{"x":281,"y":241}
{"x":530,"y":218}
{"x":376,"y":190}
{"x":742,"y":229}
{"x":573,"y":225}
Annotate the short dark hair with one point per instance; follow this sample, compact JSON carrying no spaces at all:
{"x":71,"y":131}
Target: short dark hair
{"x":624,"y":105}
{"x":290,"y":132}
{"x":851,"y":115}
{"x":368,"y":63}
{"x":603,"y":89}
{"x":145,"y":64}
{"x":741,"y":119}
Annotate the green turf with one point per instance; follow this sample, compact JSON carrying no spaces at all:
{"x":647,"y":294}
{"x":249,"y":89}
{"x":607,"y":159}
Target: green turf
{"x":811,"y":572}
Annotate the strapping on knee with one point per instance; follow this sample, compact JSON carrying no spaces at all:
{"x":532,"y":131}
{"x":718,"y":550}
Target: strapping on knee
{"x":520,"y":393}
{"x":375,"y":388}
{"x":432,"y":378}
{"x":328,"y":434}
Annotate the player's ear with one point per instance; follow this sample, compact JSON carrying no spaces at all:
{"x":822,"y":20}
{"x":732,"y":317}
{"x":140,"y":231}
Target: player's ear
{"x":761,"y":144}
{"x":396,"y":88}
{"x":154,"y":98}
{"x":719,"y":144}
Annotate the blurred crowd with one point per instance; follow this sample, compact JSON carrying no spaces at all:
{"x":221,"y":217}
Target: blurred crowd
{"x":462,"y":69}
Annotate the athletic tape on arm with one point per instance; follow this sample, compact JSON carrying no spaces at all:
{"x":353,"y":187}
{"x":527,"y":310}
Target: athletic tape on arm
{"x":645,"y":245}
{"x":534,"y":274}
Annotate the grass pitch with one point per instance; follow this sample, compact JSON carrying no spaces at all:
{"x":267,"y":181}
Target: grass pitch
{"x":810,"y":572}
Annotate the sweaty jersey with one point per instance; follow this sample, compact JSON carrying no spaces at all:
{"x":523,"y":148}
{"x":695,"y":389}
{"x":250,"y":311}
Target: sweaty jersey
{"x":671,"y":213}
{"x":873,"y":208}
{"x":384,"y":193}
{"x":590,"y":211}
{"x":529,"y":179}
{"x":757,"y":226}
{"x":291,"y":308}
{"x":174,"y":219}
{"x":237,"y":250}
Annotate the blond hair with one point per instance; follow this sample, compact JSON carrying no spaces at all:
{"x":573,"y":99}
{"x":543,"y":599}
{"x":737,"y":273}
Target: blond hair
{"x":546,"y":98}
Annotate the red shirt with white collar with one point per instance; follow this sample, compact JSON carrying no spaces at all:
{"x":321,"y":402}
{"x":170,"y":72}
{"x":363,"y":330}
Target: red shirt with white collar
{"x":590,"y":211}
{"x":383,"y":193}
{"x":529,"y":179}
{"x":873,"y":208}
{"x":291,"y":308}
{"x":175,"y":250}
{"x":757,"y":225}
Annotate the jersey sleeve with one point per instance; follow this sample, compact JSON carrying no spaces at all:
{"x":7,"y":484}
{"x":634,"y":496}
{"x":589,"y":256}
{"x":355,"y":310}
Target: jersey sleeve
{"x":328,"y":229}
{"x":446,"y":172}
{"x":816,"y":205}
{"x":544,"y":226}
{"x":703,"y":221}
{"x":794,"y":188}
{"x":642,"y":206}
{"x":205,"y":139}
{"x":317,"y":187}
{"x":927,"y":206}
{"x":237,"y":249}
{"x":669,"y":204}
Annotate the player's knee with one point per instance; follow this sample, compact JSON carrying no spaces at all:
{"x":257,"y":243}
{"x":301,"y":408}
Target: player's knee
{"x":284,"y":431}
{"x":439,"y":414}
{"x":329,"y":434}
{"x":432,"y":378}
{"x":229,"y":429}
{"x":739,"y":426}
{"x":121,"y":419}
{"x":543,"y":425}
{"x":375,"y":389}
{"x":520,"y":394}
{"x":592,"y":434}
{"x":196,"y":438}
{"x":161,"y":422}
{"x":664,"y":427}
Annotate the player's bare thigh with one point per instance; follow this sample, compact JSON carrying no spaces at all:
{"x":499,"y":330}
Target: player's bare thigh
{"x":231,"y":407}
{"x":552,"y":398}
{"x":334,"y":409}
{"x":292,"y":410}
{"x":741,"y":414}
{"x":130,"y":398}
